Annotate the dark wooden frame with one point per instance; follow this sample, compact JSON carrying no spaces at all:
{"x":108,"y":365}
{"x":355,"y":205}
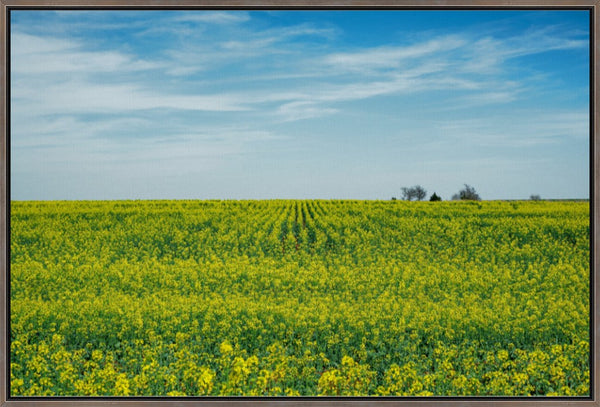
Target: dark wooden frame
{"x":593,"y":400}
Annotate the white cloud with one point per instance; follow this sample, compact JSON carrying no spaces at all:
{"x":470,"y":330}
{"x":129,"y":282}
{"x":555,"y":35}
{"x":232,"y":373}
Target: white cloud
{"x":57,"y":131}
{"x":25,"y":44}
{"x":77,"y":96}
{"x":487,"y":55}
{"x":242,"y":48}
{"x":213,"y":17}
{"x":484,"y":98}
{"x":435,"y":64}
{"x":35,"y":55}
{"x":317,"y":101}
{"x":302,"y":109}
{"x":389,"y":57}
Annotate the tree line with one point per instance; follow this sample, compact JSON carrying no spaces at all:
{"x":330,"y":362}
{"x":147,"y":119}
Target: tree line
{"x":468,"y":193}
{"x":418,"y":193}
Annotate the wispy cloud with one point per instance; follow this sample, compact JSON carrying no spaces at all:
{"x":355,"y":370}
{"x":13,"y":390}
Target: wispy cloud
{"x":488,"y":55}
{"x":78,"y":97}
{"x":63,"y":130}
{"x":444,"y":62}
{"x":303,"y":109}
{"x":213,"y":17}
{"x":36,"y":55}
{"x":386,"y":58}
{"x":245,"y":49}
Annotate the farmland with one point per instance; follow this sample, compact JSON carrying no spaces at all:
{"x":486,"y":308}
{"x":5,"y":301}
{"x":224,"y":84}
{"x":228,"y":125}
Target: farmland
{"x":299,"y":297}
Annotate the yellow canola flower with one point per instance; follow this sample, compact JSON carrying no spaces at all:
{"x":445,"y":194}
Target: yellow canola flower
{"x":309,"y":297}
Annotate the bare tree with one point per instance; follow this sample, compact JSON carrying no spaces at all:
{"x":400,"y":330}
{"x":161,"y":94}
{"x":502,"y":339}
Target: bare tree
{"x":417,"y":192}
{"x":468,"y":193}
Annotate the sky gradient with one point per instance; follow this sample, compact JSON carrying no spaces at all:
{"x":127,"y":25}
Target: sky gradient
{"x":298,"y":104}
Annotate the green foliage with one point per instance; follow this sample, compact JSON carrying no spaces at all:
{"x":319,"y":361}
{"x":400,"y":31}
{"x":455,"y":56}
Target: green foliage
{"x":435,"y":198}
{"x":299,"y":298}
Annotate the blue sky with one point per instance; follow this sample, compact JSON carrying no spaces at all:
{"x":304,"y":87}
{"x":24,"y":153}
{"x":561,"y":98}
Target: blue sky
{"x":298,"y":104}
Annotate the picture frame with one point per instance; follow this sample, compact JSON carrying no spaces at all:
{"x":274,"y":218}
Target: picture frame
{"x":6,"y":6}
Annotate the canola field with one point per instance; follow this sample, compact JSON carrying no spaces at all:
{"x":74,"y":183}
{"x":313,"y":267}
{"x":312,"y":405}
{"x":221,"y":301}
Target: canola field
{"x":306,"y":297}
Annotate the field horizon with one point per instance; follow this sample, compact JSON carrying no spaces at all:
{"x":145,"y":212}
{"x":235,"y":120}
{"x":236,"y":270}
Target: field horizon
{"x":299,"y":199}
